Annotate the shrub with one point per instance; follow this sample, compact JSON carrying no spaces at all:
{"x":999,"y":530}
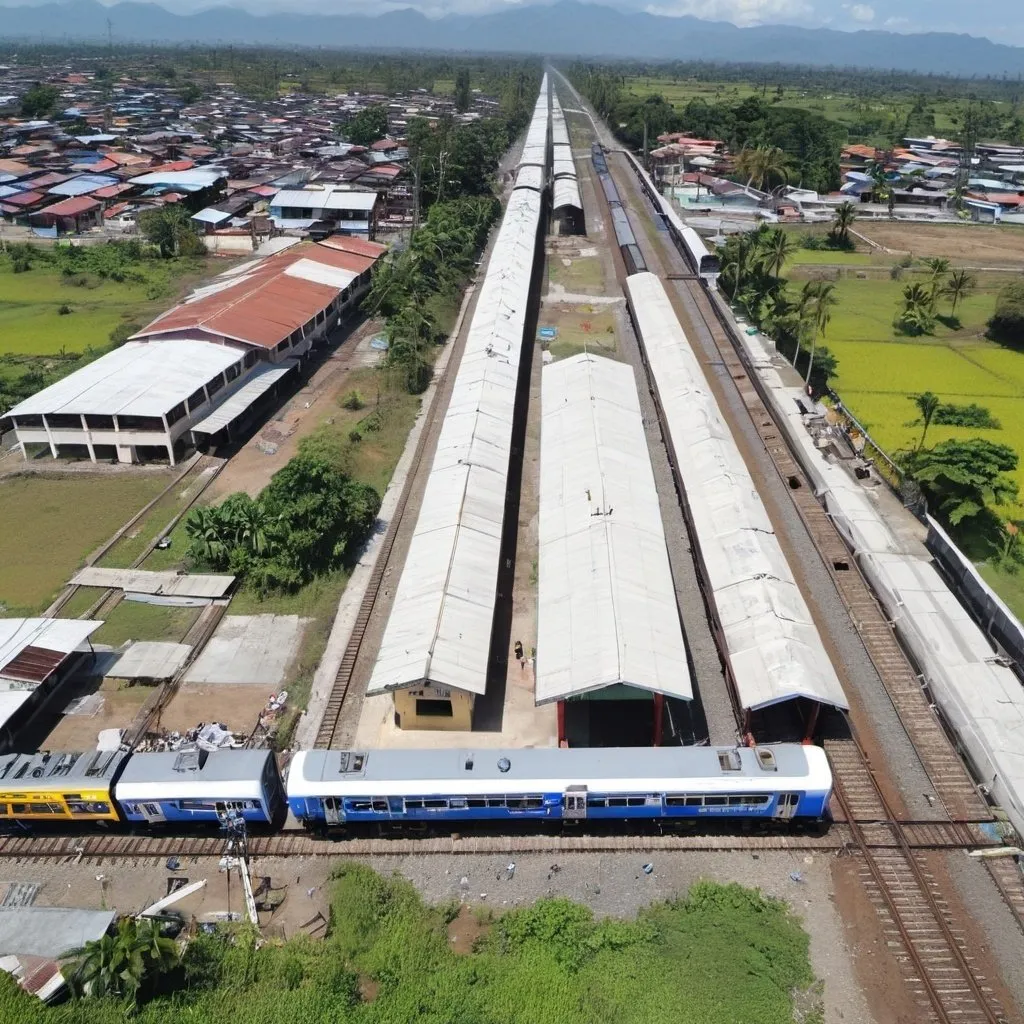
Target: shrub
{"x":122,"y":332}
{"x":353,"y":401}
{"x":64,"y":310}
{"x":1007,"y":323}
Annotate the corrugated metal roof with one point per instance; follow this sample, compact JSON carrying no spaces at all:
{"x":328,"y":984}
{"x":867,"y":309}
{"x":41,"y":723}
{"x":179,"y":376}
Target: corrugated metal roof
{"x":143,"y":581}
{"x":530,"y":177}
{"x":190,"y":180}
{"x":772,"y":643}
{"x":320,"y":273}
{"x":263,"y":305}
{"x":440,"y":624}
{"x":70,"y":207}
{"x":566,"y":192}
{"x":607,"y":609}
{"x":326,"y":199}
{"x":30,"y":649}
{"x":50,"y":931}
{"x":83,"y":184}
{"x":211,"y":216}
{"x":259,"y":383}
{"x":137,"y":379}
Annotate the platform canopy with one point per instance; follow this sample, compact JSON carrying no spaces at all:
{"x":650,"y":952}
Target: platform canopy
{"x":607,"y":611}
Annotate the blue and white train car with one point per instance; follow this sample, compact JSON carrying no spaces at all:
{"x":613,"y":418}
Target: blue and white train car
{"x":332,"y":788}
{"x":200,"y":786}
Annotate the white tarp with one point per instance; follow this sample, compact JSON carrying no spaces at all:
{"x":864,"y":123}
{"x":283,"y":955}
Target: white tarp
{"x":607,"y":609}
{"x":774,"y":648}
{"x":439,"y":629}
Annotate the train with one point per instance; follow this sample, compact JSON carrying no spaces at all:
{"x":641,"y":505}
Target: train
{"x":331,"y":789}
{"x":625,"y":239}
{"x":704,"y":261}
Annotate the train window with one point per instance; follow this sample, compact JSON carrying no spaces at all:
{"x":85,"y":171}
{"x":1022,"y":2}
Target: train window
{"x":3,"y":808}
{"x":357,"y":805}
{"x":413,"y":805}
{"x":525,"y":801}
{"x":729,"y":760}
{"x":495,"y":801}
{"x":616,"y":801}
{"x":457,"y":802}
{"x":714,"y":801}
{"x":46,"y":808}
{"x":17,"y":808}
{"x":476,"y":801}
{"x":197,"y":805}
{"x":380,"y":805}
{"x":435,"y":803}
{"x":694,"y":801}
{"x":636,"y":801}
{"x":596,"y":801}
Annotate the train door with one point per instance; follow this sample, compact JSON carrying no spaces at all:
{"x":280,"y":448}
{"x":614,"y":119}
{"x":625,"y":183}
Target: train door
{"x":153,"y":813}
{"x":333,"y":813}
{"x":574,"y":803}
{"x":785,"y":806}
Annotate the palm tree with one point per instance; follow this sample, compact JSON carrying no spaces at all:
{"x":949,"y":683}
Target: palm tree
{"x":252,"y":527}
{"x":958,"y":287}
{"x":775,"y":251}
{"x":762,"y":164}
{"x":118,"y":964}
{"x":204,"y":527}
{"x":824,"y":301}
{"x":927,"y":405}
{"x":842,"y":220}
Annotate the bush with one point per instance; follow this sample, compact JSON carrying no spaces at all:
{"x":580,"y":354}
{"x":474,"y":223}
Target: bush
{"x":973,"y":415}
{"x":1007,"y":323}
{"x":353,"y":401}
{"x":64,"y":310}
{"x":122,"y":332}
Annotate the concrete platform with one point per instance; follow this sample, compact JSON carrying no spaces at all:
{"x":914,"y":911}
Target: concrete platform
{"x":249,"y":650}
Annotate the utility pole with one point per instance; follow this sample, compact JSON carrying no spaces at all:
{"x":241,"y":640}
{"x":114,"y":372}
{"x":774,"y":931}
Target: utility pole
{"x":110,"y":35}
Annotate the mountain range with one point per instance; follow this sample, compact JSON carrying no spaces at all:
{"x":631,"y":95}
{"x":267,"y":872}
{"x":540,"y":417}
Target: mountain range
{"x":566,"y":28}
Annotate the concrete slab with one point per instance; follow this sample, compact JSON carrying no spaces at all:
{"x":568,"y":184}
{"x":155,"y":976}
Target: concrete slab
{"x":249,"y":650}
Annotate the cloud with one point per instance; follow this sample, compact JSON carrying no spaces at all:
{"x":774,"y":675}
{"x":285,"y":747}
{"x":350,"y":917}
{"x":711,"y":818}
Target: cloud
{"x":860,"y":12}
{"x":740,"y":12}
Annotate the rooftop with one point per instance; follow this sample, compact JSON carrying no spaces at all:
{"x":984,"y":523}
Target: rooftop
{"x":31,"y":649}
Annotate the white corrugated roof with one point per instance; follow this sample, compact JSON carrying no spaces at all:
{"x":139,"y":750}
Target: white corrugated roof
{"x":144,"y":581}
{"x":439,"y":629}
{"x":325,"y":198}
{"x":566,"y":192}
{"x":530,"y":177}
{"x":607,"y":605}
{"x":774,"y":647}
{"x":259,"y":382}
{"x":60,"y":635}
{"x":321,"y":273}
{"x":138,"y":379}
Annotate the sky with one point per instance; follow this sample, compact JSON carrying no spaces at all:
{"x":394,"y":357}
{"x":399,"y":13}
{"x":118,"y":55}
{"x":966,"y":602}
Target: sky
{"x":1003,"y":20}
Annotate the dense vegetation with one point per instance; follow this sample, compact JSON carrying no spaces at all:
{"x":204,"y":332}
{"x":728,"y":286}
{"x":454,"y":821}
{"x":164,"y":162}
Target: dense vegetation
{"x":307,"y":521}
{"x":809,"y":142}
{"x":1007,"y":323}
{"x":723,"y":953}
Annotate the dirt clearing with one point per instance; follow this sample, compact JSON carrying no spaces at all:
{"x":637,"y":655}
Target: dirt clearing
{"x":978,"y":244}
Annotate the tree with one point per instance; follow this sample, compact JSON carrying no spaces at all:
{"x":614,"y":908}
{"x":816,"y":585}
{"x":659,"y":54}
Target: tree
{"x":964,"y":478}
{"x":190,"y":93}
{"x":763,"y":164}
{"x":369,"y":125}
{"x":40,"y":101}
{"x":120,"y":964}
{"x":824,"y":299}
{"x":842,"y":220}
{"x":1007,"y":323}
{"x":917,"y":315}
{"x":170,"y":230}
{"x":208,"y":539}
{"x":959,"y":286}
{"x":775,"y":250}
{"x":928,"y":405}
{"x":463,"y":94}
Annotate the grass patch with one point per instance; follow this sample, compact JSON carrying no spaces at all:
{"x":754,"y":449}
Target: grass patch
{"x":580,"y":329}
{"x":723,"y":953}
{"x":834,"y":258}
{"x":52,"y":522}
{"x":133,"y":620}
{"x":1009,"y":586}
{"x":580,"y":274}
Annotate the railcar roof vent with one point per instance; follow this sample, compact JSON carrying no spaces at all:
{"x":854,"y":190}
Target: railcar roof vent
{"x":349,"y":761}
{"x":729,"y":760}
{"x":100,"y":763}
{"x":468,"y":764}
{"x":190,"y":760}
{"x":504,"y":764}
{"x":766,"y":759}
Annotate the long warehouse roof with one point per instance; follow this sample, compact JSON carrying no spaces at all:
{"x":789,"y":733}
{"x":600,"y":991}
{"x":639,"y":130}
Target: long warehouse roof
{"x":774,"y":648}
{"x":137,"y":379}
{"x":440,"y":624}
{"x":439,"y":629}
{"x":607,"y":609}
{"x":566,"y":192}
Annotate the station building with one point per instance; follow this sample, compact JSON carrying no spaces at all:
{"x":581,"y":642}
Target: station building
{"x":201,"y":371}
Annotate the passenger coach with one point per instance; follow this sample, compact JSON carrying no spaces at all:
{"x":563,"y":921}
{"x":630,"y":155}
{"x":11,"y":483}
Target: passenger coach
{"x":332,"y":788}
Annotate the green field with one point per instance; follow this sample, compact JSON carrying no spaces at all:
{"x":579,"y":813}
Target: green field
{"x":845,"y":108}
{"x":879,"y":370}
{"x":133,"y":620}
{"x":52,"y":522}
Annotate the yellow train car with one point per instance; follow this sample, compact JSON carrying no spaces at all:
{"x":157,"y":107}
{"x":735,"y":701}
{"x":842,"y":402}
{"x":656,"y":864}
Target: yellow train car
{"x":60,"y":787}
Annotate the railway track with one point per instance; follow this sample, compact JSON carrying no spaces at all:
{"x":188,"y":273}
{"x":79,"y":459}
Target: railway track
{"x":327,"y":732}
{"x":883,"y":836}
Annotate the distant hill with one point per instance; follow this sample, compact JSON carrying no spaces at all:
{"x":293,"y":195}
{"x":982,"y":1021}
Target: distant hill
{"x":567,"y":28}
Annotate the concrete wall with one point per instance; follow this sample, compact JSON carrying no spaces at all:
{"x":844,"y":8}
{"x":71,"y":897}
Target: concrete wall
{"x":413,"y":709}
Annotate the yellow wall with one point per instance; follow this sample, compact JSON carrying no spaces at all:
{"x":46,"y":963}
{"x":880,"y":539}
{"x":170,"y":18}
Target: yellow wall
{"x":461,"y":719}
